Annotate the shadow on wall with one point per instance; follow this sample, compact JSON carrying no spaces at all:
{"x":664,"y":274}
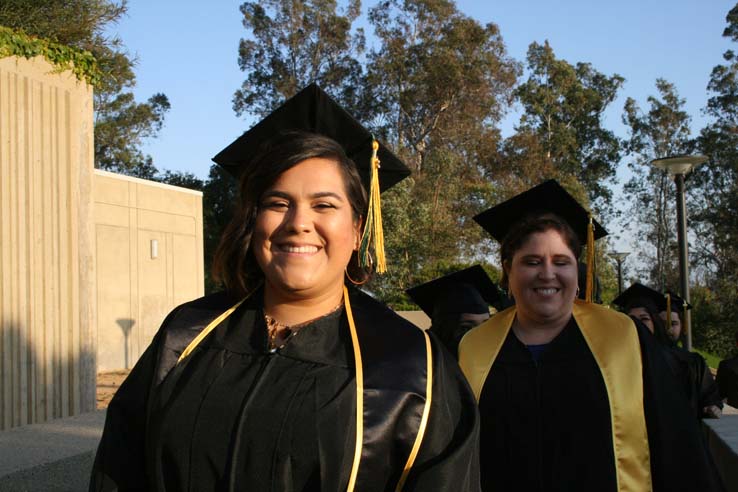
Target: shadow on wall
{"x":43,"y":375}
{"x":126,"y":325}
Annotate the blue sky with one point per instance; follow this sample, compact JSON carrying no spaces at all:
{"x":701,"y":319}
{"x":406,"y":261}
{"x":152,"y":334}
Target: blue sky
{"x":188,"y":50}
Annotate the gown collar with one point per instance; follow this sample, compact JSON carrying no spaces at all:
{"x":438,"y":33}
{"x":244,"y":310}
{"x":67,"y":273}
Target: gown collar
{"x":322,"y":341}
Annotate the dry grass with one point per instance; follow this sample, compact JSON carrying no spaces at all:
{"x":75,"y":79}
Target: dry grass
{"x":107,"y":384}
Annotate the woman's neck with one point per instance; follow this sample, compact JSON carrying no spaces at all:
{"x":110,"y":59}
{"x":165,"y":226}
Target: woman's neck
{"x":289,"y":309}
{"x":538,"y":332}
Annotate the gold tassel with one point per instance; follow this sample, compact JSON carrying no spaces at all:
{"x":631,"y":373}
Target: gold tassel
{"x":668,"y":312}
{"x":373,"y":232}
{"x":684,"y":318}
{"x":590,"y":261}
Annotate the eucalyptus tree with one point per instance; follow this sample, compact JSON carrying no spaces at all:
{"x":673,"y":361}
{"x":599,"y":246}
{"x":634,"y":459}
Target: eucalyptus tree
{"x":663,"y":130}
{"x":438,"y":82}
{"x":714,"y":204}
{"x":561,"y":132}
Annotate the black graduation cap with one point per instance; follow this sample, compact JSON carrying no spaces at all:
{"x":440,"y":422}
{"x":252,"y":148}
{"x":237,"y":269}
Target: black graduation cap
{"x":639,"y":295}
{"x":547,"y":197}
{"x":429,"y":294}
{"x":312,"y":110}
{"x":678,"y":304}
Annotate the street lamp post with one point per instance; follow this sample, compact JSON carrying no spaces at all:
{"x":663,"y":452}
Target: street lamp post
{"x":678,"y":167}
{"x":619,"y":257}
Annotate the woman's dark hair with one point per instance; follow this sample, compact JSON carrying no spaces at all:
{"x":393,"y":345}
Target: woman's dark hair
{"x":234,"y":264}
{"x":531,"y":224}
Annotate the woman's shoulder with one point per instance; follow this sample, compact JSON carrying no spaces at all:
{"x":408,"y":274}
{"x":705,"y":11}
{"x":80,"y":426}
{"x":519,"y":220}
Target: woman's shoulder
{"x":366,"y":306}
{"x":384,"y":335}
{"x":603,"y":313}
{"x":198,"y":311}
{"x":186,"y":321}
{"x":218,"y":301}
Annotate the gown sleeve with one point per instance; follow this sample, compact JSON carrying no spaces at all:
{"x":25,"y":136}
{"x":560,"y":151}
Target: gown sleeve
{"x":708,"y":389}
{"x":449,"y":454}
{"x":120,"y":460}
{"x":727,"y":382}
{"x":679,"y":458}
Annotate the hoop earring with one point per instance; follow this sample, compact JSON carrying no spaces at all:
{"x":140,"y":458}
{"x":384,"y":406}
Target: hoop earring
{"x":371,"y":268}
{"x":576,"y":296}
{"x":354,"y":281}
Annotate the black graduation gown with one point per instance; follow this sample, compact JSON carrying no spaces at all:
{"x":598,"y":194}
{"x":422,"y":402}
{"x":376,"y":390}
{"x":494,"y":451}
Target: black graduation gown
{"x":699,"y":385}
{"x":546,"y":426}
{"x":727,"y":380}
{"x":236,"y":417}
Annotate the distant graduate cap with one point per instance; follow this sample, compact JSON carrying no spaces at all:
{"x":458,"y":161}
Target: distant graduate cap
{"x":547,"y":197}
{"x":673,"y":303}
{"x":312,"y":110}
{"x":466,"y":291}
{"x":639,"y":295}
{"x":676,"y":302}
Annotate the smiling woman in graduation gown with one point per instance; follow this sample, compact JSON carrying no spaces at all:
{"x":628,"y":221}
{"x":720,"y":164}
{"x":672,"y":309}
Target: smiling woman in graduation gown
{"x":580,"y":398}
{"x":355,"y":398}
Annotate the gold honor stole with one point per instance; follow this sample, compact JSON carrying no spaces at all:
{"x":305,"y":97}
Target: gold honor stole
{"x":369,"y":393}
{"x":613,"y":340}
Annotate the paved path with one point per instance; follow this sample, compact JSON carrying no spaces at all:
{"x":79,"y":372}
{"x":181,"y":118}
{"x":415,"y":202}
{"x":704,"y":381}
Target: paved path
{"x":57,"y":454}
{"x":722,"y":439}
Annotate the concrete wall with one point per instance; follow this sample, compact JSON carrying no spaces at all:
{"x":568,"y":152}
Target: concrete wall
{"x":136,"y":290}
{"x":47,"y":367}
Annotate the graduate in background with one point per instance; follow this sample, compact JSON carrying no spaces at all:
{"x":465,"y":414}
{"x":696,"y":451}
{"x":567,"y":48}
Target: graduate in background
{"x":642,"y":303}
{"x":727,"y":378}
{"x":705,"y":397}
{"x":293,"y":380}
{"x":672,"y":309}
{"x":572,"y":396}
{"x":457,"y":302}
{"x":690,"y":368}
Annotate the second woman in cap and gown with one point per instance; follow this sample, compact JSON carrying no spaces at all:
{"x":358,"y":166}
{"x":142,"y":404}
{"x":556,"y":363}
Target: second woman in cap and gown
{"x":242,"y":390}
{"x":689,"y":368}
{"x":572,"y":396}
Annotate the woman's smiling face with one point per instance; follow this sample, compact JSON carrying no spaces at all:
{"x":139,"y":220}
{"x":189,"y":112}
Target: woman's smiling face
{"x":542,"y":277}
{"x":305,"y":230}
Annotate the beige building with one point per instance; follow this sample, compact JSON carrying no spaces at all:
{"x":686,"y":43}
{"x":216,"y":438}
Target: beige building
{"x":90,"y":262}
{"x":47,"y":330}
{"x":148,"y":258}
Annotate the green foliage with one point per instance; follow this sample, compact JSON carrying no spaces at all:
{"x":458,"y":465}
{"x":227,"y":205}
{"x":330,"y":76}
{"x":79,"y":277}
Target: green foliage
{"x":439,"y":82}
{"x":220,"y":193}
{"x":561,"y":132}
{"x":293,"y":43}
{"x":64,"y":21}
{"x":121,"y":123}
{"x":712,"y":360}
{"x":81,"y":63}
{"x":660,"y":132}
{"x":713,"y":327}
{"x":714,"y":206}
